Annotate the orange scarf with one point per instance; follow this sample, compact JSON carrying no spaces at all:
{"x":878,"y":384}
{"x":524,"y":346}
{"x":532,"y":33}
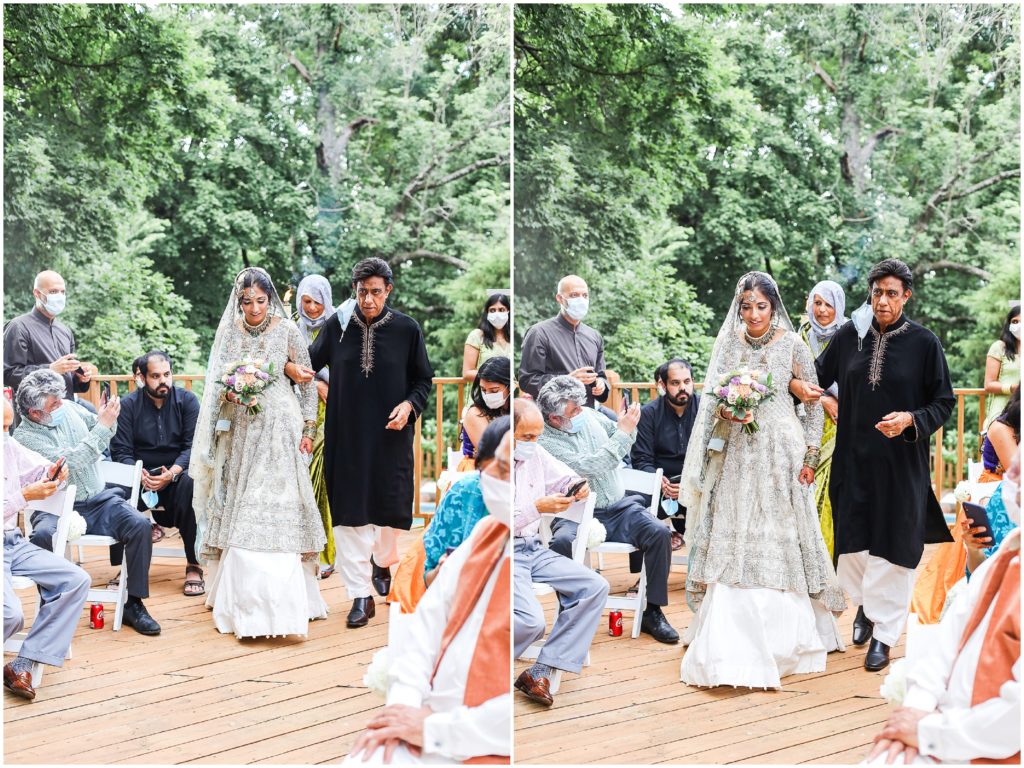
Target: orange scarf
{"x":490,"y":670}
{"x":1000,"y":647}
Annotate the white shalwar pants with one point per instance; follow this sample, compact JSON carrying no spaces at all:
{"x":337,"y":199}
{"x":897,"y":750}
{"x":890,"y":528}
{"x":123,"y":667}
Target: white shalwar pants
{"x":355,"y":545}
{"x":884,"y":589}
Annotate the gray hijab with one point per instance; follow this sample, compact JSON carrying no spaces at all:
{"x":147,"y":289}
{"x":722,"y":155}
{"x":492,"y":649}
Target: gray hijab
{"x":318,"y":289}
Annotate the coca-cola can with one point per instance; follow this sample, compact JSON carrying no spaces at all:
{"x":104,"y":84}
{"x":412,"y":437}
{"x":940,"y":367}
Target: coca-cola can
{"x":615,"y":623}
{"x":96,"y":615}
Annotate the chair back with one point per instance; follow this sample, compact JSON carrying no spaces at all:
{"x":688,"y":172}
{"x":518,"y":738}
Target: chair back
{"x":128,"y":475}
{"x":60,"y":504}
{"x":643,"y":482}
{"x":974,"y":469}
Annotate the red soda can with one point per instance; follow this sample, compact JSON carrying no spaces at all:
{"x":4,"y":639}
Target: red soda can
{"x":96,"y":615}
{"x":615,"y":623}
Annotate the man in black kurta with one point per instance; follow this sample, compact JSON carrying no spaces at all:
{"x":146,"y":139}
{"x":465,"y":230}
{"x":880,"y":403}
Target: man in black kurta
{"x":895,"y":393}
{"x":380,"y":380}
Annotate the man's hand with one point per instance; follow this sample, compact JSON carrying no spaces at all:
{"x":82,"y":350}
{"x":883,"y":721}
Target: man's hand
{"x":321,"y":390}
{"x":894,"y":750}
{"x":895,"y":423}
{"x":395,"y":724}
{"x":900,"y":729}
{"x":42,"y":489}
{"x":598,"y":386}
{"x":400,"y":415}
{"x":89,"y":369}
{"x":108,"y":413}
{"x":629,"y":418}
{"x":65,"y":364}
{"x":831,"y":406}
{"x":298,"y":373}
{"x":553,"y":504}
{"x":669,"y":490}
{"x":582,"y":493}
{"x":157,"y":480}
{"x":805,"y":392}
{"x":586,"y":374}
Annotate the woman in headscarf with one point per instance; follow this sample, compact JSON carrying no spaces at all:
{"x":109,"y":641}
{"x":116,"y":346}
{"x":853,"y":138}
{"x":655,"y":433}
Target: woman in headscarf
{"x":826,"y":308}
{"x":315,"y":307}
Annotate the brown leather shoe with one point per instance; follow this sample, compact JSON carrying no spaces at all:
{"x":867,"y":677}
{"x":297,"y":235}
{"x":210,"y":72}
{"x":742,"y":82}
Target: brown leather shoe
{"x":537,"y":690}
{"x":19,"y":683}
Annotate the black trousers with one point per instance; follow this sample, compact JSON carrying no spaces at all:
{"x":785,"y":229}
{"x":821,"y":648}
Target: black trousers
{"x":177,"y":512}
{"x":108,"y":514}
{"x":628,"y":521}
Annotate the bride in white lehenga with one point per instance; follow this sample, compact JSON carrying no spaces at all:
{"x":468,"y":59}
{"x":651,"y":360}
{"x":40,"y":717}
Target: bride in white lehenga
{"x":258,"y":522}
{"x":759,"y":577}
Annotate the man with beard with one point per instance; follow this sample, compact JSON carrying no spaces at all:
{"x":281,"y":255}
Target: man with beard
{"x":156,"y":424}
{"x":662,"y":436}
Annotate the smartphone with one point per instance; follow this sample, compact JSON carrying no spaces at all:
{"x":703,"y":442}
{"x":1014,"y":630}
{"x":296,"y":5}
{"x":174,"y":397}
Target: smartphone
{"x":675,"y":479}
{"x":575,"y":488}
{"x":80,"y":371}
{"x":104,"y":392}
{"x":625,"y":399}
{"x":449,"y":550}
{"x":57,"y":469}
{"x":977,"y":515}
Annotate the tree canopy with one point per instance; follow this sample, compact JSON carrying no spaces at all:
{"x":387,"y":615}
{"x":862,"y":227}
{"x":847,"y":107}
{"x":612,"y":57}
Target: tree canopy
{"x":661,"y":153}
{"x":152,"y":151}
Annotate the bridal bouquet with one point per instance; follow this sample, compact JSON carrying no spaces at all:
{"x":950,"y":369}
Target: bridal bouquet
{"x":247,"y":379}
{"x":741,"y":391}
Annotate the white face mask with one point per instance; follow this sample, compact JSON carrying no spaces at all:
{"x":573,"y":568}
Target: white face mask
{"x":1015,"y":330}
{"x":497,"y":319}
{"x":524,"y":450}
{"x":577,"y":307}
{"x":661,"y":391}
{"x":494,"y":400}
{"x":54,"y":303}
{"x":497,"y":498}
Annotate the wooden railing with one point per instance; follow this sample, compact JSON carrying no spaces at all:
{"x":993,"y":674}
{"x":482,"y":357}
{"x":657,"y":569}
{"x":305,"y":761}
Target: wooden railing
{"x":428,"y":464}
{"x":941,"y":481}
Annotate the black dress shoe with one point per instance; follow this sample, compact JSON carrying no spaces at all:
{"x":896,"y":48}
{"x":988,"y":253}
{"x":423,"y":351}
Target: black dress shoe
{"x":137,"y":617}
{"x":656,"y":625}
{"x":862,"y":627}
{"x":877,"y":656}
{"x":362,"y":611}
{"x":381,"y":579}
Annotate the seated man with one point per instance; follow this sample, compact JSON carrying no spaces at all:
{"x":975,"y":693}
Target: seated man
{"x":63,"y":586}
{"x":156,"y":424}
{"x":963,"y":689}
{"x":662,"y":436}
{"x":448,"y":699}
{"x":593,"y":446}
{"x":55,"y":428}
{"x":541,"y":484}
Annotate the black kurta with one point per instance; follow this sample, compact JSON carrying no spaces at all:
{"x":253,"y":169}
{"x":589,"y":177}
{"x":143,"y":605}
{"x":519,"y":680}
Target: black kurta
{"x":369,"y":469}
{"x":881,"y":494}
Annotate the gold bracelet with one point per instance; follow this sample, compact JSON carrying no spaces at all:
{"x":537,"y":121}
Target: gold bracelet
{"x":812,"y":458}
{"x":309,"y":429}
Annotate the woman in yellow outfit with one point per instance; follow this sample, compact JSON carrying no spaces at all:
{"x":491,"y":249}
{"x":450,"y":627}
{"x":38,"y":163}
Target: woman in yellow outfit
{"x":826,"y":305}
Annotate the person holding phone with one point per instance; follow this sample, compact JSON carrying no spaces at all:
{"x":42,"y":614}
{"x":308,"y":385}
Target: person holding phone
{"x":593,"y":447}
{"x":565,"y":345}
{"x":545,"y":485}
{"x":37,"y":339}
{"x":983,"y":531}
{"x":157,"y":423}
{"x":54,"y":427}
{"x":662,"y":435}
{"x":63,"y":585}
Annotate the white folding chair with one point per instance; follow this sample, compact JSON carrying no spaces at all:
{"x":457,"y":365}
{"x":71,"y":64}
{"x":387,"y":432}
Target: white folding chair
{"x":540,"y":588}
{"x":60,"y":504}
{"x":641,"y":482}
{"x":129,"y":476}
{"x":974,"y":470}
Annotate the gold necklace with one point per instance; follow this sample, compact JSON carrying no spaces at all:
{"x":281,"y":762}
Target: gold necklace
{"x":256,"y":330}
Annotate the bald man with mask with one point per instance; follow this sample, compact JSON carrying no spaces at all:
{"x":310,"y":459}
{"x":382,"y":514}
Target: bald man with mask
{"x":37,"y":339}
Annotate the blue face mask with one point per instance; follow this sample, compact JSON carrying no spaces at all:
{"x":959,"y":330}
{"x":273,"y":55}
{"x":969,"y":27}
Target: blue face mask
{"x":151,"y":498}
{"x":57,"y":417}
{"x":576,"y":424}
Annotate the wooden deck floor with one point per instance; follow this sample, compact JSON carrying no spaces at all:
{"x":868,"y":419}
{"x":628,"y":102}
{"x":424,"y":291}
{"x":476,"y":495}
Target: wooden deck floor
{"x":628,"y":706}
{"x":192,"y":695}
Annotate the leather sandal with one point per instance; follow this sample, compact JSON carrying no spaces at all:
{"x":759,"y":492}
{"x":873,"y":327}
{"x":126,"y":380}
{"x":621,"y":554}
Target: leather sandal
{"x":195,"y":585}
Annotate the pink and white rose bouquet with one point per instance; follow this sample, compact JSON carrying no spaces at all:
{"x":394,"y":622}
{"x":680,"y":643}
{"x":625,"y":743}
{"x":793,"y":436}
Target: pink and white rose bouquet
{"x":742,"y":391}
{"x":247,"y":379}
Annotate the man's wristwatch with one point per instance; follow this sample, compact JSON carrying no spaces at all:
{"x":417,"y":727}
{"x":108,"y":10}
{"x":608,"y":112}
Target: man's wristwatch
{"x":175,"y":476}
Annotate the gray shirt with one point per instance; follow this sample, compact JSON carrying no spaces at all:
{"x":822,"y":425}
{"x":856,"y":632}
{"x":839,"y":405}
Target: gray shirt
{"x":33,"y":341}
{"x":554,"y":348}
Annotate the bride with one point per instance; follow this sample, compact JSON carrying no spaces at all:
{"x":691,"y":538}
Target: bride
{"x":759,"y":579}
{"x":257,"y":517}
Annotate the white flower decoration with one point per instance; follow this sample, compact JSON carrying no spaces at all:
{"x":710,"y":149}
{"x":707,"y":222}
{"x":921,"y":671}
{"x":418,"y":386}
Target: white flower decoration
{"x":376,"y":677}
{"x":963,"y":491}
{"x":596,"y":534}
{"x":745,"y":379}
{"x":250,"y":369}
{"x":76,"y":529}
{"x":894,"y":687}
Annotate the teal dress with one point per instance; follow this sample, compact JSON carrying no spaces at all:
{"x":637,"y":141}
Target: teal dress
{"x":461,"y":509}
{"x":1001,"y":523}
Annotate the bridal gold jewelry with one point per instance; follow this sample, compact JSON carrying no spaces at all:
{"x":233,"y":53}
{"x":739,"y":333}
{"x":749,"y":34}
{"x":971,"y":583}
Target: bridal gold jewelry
{"x":256,"y":330}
